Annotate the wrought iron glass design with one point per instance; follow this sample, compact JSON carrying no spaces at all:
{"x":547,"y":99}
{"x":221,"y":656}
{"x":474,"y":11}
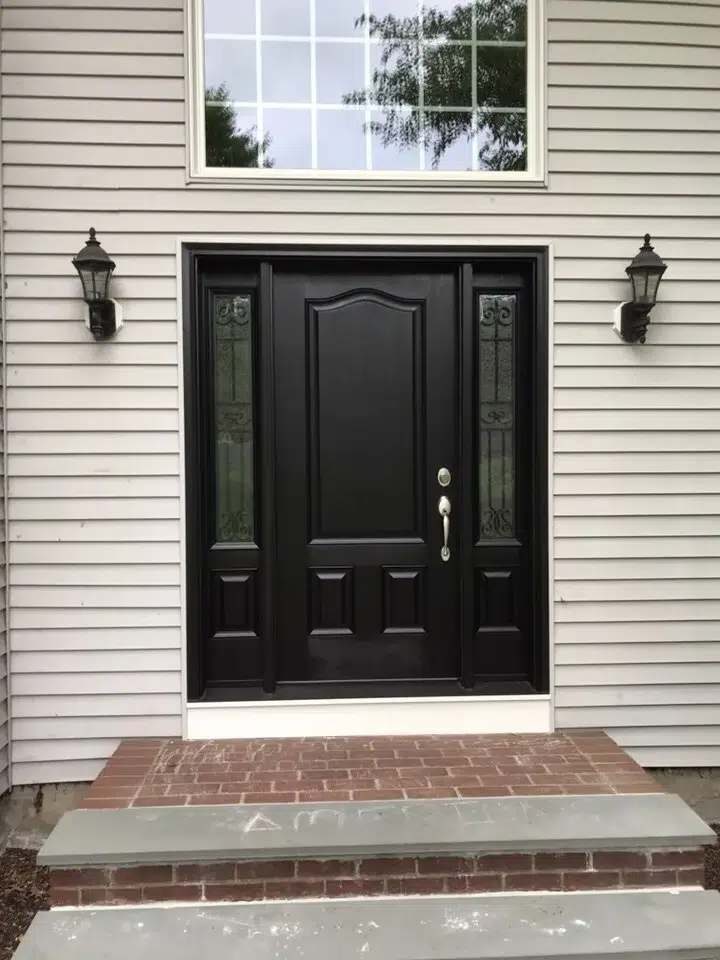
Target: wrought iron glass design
{"x":234,"y":481}
{"x":496,"y":378}
{"x":405,"y":85}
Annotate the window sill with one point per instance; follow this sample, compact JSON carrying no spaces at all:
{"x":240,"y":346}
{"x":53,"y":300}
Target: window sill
{"x":322,"y":181}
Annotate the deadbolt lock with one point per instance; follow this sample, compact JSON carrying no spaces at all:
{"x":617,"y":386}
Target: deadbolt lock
{"x":444,"y":477}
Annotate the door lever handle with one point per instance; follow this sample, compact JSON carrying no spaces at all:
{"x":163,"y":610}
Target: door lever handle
{"x":444,"y":508}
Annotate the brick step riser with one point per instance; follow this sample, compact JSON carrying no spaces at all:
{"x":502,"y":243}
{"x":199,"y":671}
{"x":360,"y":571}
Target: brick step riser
{"x":284,"y":879}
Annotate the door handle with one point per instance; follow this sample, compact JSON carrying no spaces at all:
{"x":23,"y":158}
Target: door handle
{"x":444,"y":508}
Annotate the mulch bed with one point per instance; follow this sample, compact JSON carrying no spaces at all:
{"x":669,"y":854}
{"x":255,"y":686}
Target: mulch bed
{"x":712,"y":863}
{"x":23,"y":891}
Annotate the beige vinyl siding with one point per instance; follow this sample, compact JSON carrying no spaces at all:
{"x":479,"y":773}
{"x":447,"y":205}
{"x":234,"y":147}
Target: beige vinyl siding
{"x":4,"y":664}
{"x":94,"y":133}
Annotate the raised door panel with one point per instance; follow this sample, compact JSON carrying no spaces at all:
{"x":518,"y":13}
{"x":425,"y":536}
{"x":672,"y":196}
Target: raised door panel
{"x":365,"y":388}
{"x":404,"y":601}
{"x":233,"y":651}
{"x":331,"y":604}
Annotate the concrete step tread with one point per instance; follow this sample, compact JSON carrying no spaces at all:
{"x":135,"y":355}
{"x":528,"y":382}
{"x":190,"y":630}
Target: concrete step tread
{"x":674,"y":926}
{"x":412,"y":827}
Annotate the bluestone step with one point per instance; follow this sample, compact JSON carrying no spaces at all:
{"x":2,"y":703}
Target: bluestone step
{"x":651,"y":926}
{"x":394,"y":828}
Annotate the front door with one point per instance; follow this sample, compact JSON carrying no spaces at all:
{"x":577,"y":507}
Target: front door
{"x":364,"y":459}
{"x":366,"y":416}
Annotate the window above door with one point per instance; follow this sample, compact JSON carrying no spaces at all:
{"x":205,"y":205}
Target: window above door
{"x":432,"y":90}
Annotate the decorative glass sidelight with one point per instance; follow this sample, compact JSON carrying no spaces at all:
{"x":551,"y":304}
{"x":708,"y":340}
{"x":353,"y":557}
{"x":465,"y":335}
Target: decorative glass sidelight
{"x":234,"y":481}
{"x":496,"y":379}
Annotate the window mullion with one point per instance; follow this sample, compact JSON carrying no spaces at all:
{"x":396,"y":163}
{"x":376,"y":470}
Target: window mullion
{"x":368,"y":77}
{"x":313,"y":88}
{"x":421,"y":85}
{"x":258,"y":84}
{"x":474,"y":139}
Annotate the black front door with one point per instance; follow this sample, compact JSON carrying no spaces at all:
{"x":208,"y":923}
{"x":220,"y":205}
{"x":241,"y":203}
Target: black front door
{"x":365,"y":416}
{"x":365,"y":476}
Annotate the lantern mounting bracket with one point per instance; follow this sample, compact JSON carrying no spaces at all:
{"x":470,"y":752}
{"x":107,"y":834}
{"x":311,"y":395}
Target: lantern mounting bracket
{"x":103,"y":318}
{"x":631,"y":321}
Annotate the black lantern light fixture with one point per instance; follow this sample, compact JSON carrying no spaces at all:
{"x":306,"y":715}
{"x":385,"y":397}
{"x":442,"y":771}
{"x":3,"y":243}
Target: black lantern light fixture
{"x":645,"y":273}
{"x":95,"y":268}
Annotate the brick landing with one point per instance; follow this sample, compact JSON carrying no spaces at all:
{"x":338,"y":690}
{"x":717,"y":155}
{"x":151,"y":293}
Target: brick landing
{"x":176,"y":772}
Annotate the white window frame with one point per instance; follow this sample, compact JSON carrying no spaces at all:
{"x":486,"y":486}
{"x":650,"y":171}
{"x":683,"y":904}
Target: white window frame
{"x":534,"y":176}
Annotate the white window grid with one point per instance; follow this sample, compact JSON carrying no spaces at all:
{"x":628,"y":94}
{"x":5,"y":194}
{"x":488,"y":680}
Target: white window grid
{"x":314,"y":106}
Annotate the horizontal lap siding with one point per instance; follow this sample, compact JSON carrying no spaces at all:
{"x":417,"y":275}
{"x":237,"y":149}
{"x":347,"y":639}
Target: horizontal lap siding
{"x":637,"y":486}
{"x":4,"y":667}
{"x":4,"y":664}
{"x":93,"y":121}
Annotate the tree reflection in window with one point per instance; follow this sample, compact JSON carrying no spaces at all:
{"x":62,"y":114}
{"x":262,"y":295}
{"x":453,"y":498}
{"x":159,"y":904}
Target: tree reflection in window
{"x":234,"y":481}
{"x":225,"y":144}
{"x":496,"y":378}
{"x":435,"y":88}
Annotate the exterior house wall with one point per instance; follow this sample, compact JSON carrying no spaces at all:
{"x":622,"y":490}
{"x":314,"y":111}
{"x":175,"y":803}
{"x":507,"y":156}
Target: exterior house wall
{"x":4,"y":677}
{"x":4,"y":670}
{"x":94,"y":131}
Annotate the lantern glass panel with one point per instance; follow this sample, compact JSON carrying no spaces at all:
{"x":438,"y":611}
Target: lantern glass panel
{"x":638,"y":278}
{"x":95,"y":281}
{"x":653,"y":282}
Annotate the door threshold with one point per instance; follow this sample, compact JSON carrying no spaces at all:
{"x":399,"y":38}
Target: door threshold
{"x":398,"y":716}
{"x":367,"y":690}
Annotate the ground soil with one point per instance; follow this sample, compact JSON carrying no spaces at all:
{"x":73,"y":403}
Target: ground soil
{"x":23,"y":891}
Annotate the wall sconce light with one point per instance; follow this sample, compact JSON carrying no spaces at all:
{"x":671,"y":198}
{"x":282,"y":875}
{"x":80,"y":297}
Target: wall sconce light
{"x":645,"y":273}
{"x":104,"y":316}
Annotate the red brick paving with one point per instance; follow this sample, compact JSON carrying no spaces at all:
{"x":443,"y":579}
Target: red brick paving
{"x":176,"y":772}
